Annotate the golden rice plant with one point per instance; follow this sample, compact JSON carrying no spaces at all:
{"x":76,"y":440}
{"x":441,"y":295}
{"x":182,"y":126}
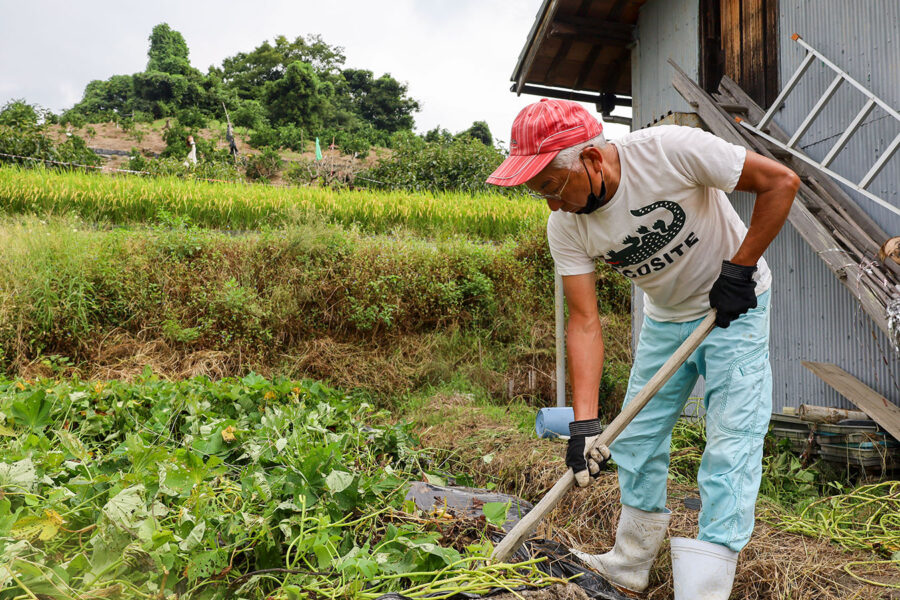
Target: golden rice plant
{"x":239,"y":206}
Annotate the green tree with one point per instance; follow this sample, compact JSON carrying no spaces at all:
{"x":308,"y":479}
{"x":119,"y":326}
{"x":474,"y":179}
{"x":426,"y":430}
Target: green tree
{"x":249,"y":72}
{"x":21,"y":115}
{"x":382,"y":102}
{"x":460,"y":164}
{"x":163,"y":94}
{"x":22,"y":134}
{"x":481,"y":132}
{"x":299,"y":97}
{"x":115,"y":95}
{"x":438,"y":134}
{"x":249,"y":113}
{"x":168,"y":51}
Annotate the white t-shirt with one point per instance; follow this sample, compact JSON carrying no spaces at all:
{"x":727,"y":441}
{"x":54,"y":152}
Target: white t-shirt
{"x":669,"y":225}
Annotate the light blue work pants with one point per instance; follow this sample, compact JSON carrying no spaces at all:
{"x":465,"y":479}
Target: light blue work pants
{"x":734,"y":363}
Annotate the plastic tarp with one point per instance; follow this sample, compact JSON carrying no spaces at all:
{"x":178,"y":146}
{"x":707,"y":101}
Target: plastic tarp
{"x":467,"y":503}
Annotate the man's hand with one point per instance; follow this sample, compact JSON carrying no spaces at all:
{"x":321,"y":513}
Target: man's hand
{"x":586,"y":464}
{"x":733,"y":293}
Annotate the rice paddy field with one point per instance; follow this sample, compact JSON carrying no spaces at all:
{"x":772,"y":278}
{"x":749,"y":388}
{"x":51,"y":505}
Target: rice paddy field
{"x":223,"y":391}
{"x":239,"y":206}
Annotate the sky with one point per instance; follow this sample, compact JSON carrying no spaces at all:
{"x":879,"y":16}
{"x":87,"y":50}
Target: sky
{"x":456,"y":56}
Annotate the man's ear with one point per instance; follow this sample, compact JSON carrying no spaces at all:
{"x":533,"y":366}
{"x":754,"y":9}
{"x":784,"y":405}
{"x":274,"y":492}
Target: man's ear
{"x":593,"y":155}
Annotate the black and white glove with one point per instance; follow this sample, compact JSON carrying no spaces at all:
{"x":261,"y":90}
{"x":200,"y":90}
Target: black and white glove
{"x":733,"y":293}
{"x":585,"y":464}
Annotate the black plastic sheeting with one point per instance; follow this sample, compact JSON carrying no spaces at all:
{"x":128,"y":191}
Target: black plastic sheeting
{"x":467,"y":502}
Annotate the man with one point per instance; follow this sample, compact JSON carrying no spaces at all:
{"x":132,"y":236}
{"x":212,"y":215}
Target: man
{"x":652,"y":205}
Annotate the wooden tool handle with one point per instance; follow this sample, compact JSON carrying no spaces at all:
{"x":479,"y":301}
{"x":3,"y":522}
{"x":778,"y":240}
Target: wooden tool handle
{"x":509,"y":544}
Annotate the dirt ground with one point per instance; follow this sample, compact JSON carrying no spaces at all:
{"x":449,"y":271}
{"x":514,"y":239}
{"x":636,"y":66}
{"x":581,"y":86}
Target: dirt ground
{"x":147,"y":138}
{"x":775,"y":565}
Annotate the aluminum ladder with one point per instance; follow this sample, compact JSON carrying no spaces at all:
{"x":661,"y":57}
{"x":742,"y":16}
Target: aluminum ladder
{"x":790,"y":146}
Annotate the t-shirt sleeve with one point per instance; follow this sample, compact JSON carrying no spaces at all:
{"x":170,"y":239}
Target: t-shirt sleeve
{"x":703,"y":158}
{"x":567,"y":250}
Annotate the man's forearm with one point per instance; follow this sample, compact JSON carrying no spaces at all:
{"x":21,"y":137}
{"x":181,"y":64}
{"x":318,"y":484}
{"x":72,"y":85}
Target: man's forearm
{"x":770,"y":211}
{"x":584,"y":340}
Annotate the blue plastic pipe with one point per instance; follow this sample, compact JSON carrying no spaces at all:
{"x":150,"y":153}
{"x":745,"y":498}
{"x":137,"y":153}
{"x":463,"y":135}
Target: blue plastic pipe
{"x":554,"y":422}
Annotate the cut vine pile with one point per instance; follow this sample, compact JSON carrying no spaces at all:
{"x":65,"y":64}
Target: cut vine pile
{"x":240,"y":488}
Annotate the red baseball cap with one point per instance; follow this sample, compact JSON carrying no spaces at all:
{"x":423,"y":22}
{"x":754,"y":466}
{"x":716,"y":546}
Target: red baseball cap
{"x":539,"y":132}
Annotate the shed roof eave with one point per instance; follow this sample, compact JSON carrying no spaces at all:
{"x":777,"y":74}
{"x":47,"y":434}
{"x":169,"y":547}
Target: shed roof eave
{"x":535,"y":36}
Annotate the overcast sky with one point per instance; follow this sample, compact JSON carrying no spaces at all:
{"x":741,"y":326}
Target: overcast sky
{"x":456,"y":55}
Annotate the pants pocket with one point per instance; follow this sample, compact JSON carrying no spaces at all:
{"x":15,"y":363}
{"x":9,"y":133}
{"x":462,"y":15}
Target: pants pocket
{"x":745,"y":404}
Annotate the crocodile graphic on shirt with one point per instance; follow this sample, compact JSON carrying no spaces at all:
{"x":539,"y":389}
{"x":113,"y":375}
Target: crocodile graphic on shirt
{"x":646,"y":242}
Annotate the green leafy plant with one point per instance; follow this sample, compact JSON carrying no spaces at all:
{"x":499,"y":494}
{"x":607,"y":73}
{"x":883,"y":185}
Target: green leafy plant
{"x":202,"y":488}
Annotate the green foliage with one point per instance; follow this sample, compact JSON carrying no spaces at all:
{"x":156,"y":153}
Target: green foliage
{"x":22,"y":134}
{"x":19,"y":114}
{"x":115,"y":95}
{"x":176,"y":139}
{"x":461,"y":164}
{"x":381,"y":102}
{"x":248,"y":72}
{"x":250,"y":114}
{"x":164,"y":94}
{"x":291,"y":136}
{"x":299,"y":97}
{"x":286,"y":136}
{"x":300,"y":85}
{"x":438,"y":134}
{"x":264,"y":166}
{"x":192,"y":118}
{"x":74,"y":118}
{"x":168,"y":51}
{"x":181,"y":477}
{"x":786,"y":480}
{"x":481,"y":132}
{"x":356,"y":139}
{"x":63,"y":289}
{"x":264,"y":136}
{"x":212,"y":168}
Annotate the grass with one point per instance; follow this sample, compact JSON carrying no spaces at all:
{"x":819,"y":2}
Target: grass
{"x":132,"y":199}
{"x":385,"y":313}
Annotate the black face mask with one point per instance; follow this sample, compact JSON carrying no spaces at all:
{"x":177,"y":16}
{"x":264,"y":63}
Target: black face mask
{"x":593,"y":202}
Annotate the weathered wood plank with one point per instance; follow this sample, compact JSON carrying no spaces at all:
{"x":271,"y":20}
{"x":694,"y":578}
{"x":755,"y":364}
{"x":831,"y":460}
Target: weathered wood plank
{"x":752,"y":61}
{"x":731,"y":38}
{"x":770,"y":50}
{"x":827,"y":414}
{"x":883,"y":411}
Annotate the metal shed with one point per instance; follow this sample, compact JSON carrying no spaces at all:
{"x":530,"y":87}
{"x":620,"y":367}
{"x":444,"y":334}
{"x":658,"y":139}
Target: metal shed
{"x":580,"y":50}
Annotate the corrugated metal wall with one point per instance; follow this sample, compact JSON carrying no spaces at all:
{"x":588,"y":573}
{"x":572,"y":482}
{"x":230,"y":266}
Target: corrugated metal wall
{"x":814,"y":317}
{"x":818,"y":319}
{"x":664,"y":30}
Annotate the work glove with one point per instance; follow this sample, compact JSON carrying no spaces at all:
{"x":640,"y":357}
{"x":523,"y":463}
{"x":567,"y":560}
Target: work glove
{"x":585,"y":464}
{"x":733,"y":293}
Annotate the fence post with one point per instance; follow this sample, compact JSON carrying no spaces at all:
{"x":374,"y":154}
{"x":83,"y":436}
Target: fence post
{"x":560,"y":340}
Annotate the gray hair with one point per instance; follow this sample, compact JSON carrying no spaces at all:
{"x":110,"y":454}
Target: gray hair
{"x":567,"y":156}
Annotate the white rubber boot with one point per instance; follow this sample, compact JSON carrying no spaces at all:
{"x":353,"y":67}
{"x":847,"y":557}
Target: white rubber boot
{"x":639,"y":537}
{"x":702,"y":570}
